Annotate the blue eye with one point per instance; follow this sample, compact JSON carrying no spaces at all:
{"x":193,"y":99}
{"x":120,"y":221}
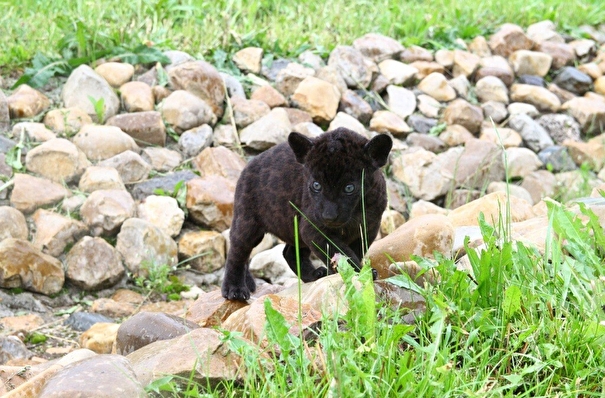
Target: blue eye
{"x":349,"y":188}
{"x":316,"y":186}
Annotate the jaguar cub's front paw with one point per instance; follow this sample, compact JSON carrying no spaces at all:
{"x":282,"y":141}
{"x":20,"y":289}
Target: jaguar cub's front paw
{"x":320,"y":272}
{"x":374,"y":274}
{"x":234,"y":292}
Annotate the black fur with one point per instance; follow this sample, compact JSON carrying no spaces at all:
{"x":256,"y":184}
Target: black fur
{"x":289,"y":174}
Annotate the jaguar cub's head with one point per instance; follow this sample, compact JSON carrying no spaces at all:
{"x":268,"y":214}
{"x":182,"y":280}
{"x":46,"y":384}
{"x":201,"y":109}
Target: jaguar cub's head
{"x":334,"y":164}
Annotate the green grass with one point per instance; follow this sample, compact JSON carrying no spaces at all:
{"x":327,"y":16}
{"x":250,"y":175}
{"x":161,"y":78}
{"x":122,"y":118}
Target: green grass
{"x":83,"y":28}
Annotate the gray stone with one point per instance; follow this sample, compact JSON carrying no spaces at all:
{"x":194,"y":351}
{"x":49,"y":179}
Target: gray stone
{"x":560,"y":127}
{"x":557,"y":159}
{"x":401,"y":101}
{"x":4,"y":114}
{"x":193,"y":141}
{"x":165,"y":184}
{"x":93,"y":264}
{"x":104,"y":211}
{"x":234,"y":87}
{"x":535,"y":136}
{"x":12,"y":224}
{"x":84,"y":83}
{"x":11,"y":347}
{"x":426,"y":141}
{"x":82,"y":321}
{"x":571,"y":79}
{"x":532,"y":80}
{"x":421,"y":124}
{"x":495,"y":111}
{"x":354,"y":105}
{"x":130,"y":165}
{"x":271,"y":69}
{"x":352,"y":66}
{"x":378,"y":47}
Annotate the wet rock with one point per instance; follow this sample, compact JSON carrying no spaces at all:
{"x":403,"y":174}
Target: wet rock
{"x":557,"y":159}
{"x":93,"y":264}
{"x":317,"y":97}
{"x":166,"y":184}
{"x":571,"y":79}
{"x":204,"y":249}
{"x":437,"y":87}
{"x":210,"y":201}
{"x":115,"y":73}
{"x":35,"y":132}
{"x":193,"y":141}
{"x":30,"y":193}
{"x":249,"y":59}
{"x":130,"y":165}
{"x":203,"y":80}
{"x":161,"y":159}
{"x":493,"y":206}
{"x":463,"y":113}
{"x":508,"y":39}
{"x":534,"y":135}
{"x":183,"y":111}
{"x":540,"y":97}
{"x":55,"y":232}
{"x":24,"y":266}
{"x":270,"y":130}
{"x":388,"y":122}
{"x":147,"y":128}
{"x":143,"y":245}
{"x":590,"y":114}
{"x":66,"y":121}
{"x":353,"y":104}
{"x":163,"y":212}
{"x":269,"y":96}
{"x":98,"y":177}
{"x":57,"y":160}
{"x":521,"y":162}
{"x":401,"y":101}
{"x":81,"y":321}
{"x":26,"y":102}
{"x":420,"y":236}
{"x":84,"y":83}
{"x":490,"y":88}
{"x":102,"y":142}
{"x":351,"y":65}
{"x":12,"y":224}
{"x":104,"y":211}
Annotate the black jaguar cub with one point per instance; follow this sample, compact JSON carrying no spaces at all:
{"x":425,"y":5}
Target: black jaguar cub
{"x":322,"y":177}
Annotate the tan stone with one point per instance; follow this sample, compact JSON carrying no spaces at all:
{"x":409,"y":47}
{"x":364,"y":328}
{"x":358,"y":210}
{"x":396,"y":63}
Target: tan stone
{"x":55,"y":232}
{"x":390,"y":221}
{"x":445,"y":58}
{"x":112,"y":308}
{"x":163,"y":212}
{"x":66,"y":121}
{"x":562,"y":53}
{"x":590,"y":114}
{"x":137,"y":97}
{"x":540,"y":97}
{"x":202,"y":80}
{"x":12,"y":224}
{"x":115,"y":73}
{"x":508,"y":39}
{"x":96,"y":178}
{"x":490,"y":88}
{"x":465,"y":63}
{"x":93,"y":264}
{"x":527,"y":62}
{"x":455,"y":135}
{"x":593,"y":154}
{"x":479,"y":47}
{"x":397,"y":72}
{"x":269,"y":96}
{"x":591,"y":69}
{"x":425,"y":68}
{"x":31,"y":192}
{"x":36,"y":132}
{"x":387,"y":121}
{"x":205,"y":249}
{"x":416,"y":53}
{"x":463,"y":113}
{"x":249,"y":59}
{"x":501,"y":136}
{"x":378,"y":47}
{"x":21,"y":323}
{"x":317,"y":97}
{"x":100,"y":337}
{"x":210,"y":201}
{"x":246,"y":111}
{"x":26,"y":102}
{"x":540,"y":184}
{"x":212,"y":309}
{"x":102,"y":142}
{"x":436,"y":86}
{"x":104,"y":211}
{"x":58,"y":160}
{"x":184,"y":110}
{"x":494,"y":207}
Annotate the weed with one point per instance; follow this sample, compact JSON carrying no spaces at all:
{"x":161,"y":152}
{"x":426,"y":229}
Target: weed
{"x":179,"y":192}
{"x":156,"y":279}
{"x":99,"y":106}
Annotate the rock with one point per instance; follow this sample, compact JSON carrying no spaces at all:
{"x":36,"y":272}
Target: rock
{"x":162,"y":160}
{"x":410,"y":303}
{"x":317,"y":97}
{"x":426,"y":68}
{"x":455,"y":135}
{"x":495,"y":111}
{"x":353,"y":104}
{"x":97,"y":177}
{"x":271,"y":266}
{"x":290,"y":77}
{"x":560,"y":127}
{"x":521,"y":108}
{"x":163,"y":212}
{"x":249,"y":59}
{"x":436,"y":86}
{"x":157,"y":359}
{"x":4,"y":113}
{"x":160,"y":93}
{"x":298,"y":116}
{"x":571,"y":79}
{"x":269,"y":96}
{"x":270,"y":70}
{"x":562,"y":54}
{"x":115,"y":73}
{"x":193,"y":141}
{"x":137,"y":97}
{"x":270,"y":130}
{"x":401,"y":101}
{"x":104,"y":211}
{"x":501,"y":136}
{"x":308,"y":129}
{"x":525,"y":62}
{"x":55,"y":232}
{"x":390,"y":221}
{"x":479,"y":47}
{"x":102,"y":142}
{"x":84,"y":83}
{"x":463,"y":113}
{"x":540,"y":184}
{"x":535,"y":136}
{"x":11,"y":347}
{"x":531,"y":80}
{"x":421,"y":124}
{"x":480,"y":163}
{"x":347,"y":121}
{"x":310,"y":59}
{"x":12,"y":224}
{"x":24,"y":266}
{"x":81,"y":321}
{"x":540,"y":97}
{"x":144,"y":246}
{"x":35,"y":132}
{"x":544,"y":31}
{"x":205,"y":250}
{"x":420,"y":236}
{"x":465,"y":63}
{"x":416,"y":53}
{"x":462,"y":196}
{"x":130,"y":165}
{"x":445,"y":58}
{"x":26,"y":102}
{"x":590,"y":114}
{"x":166,"y":183}
{"x":378,"y":47}
{"x":58,"y":160}
{"x":583,"y":47}
{"x":397,"y":72}
{"x":66,"y":121}
{"x":388,"y":122}
{"x":112,"y":308}
{"x":31,"y":192}
{"x":21,"y":324}
{"x":574,"y":184}
{"x":203,"y":80}
{"x":351,"y":65}
{"x":93,"y":264}
{"x":590,"y":153}
{"x":521,"y":162}
{"x":219,"y":161}
{"x":210,"y":201}
{"x":246,"y":112}
{"x":461,"y":85}
{"x":508,"y":39}
{"x":211,"y":309}
{"x":183,"y":111}
{"x":557,"y":159}
{"x":493,"y":206}
{"x":147,"y":128}
{"x":428,"y":106}
{"x":145,"y":328}
{"x":514,"y":190}
{"x":490,"y":88}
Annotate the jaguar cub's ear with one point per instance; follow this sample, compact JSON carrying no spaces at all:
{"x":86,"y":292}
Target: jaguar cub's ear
{"x":300,"y":146}
{"x":377,"y":149}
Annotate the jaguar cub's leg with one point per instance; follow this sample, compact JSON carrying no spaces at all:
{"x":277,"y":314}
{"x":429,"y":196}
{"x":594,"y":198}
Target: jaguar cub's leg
{"x":308,"y":273}
{"x":237,"y":281}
